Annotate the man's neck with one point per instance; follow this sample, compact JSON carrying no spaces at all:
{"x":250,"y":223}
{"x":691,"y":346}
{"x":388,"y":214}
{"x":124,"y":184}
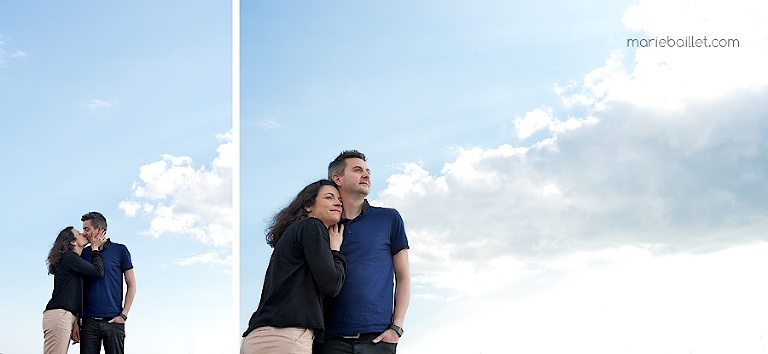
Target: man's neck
{"x":353,"y":206}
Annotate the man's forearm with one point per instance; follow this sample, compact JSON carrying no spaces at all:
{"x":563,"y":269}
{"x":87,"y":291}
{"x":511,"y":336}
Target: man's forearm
{"x":402,"y":300}
{"x":402,"y":286}
{"x":130,"y":294}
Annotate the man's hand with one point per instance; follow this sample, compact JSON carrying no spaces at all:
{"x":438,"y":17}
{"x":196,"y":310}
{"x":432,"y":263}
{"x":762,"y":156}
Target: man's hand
{"x":117,"y":319}
{"x":388,"y":336}
{"x":75,"y":336}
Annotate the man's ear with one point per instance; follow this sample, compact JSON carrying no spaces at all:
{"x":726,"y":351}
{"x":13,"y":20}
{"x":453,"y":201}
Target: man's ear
{"x":336,"y":179}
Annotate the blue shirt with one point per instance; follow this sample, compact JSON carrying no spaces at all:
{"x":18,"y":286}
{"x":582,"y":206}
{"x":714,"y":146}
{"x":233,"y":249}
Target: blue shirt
{"x":365,"y":303}
{"x":103,"y":297}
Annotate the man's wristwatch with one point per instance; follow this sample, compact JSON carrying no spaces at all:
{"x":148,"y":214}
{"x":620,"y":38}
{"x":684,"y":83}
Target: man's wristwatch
{"x":124,"y":316}
{"x":397,"y":329}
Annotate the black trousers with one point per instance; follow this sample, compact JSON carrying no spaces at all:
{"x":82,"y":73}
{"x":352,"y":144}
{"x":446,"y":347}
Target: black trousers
{"x":95,"y":332}
{"x":362,"y":345}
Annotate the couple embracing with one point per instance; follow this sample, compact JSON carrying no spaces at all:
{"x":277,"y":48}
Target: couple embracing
{"x":339,"y":277}
{"x":87,"y":301}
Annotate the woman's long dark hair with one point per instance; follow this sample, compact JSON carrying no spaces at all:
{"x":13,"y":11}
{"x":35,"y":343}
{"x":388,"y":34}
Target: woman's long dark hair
{"x":295,"y":210}
{"x":60,"y":246}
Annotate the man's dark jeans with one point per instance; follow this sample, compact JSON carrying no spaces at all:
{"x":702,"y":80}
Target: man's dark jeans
{"x":362,"y":345}
{"x":94,"y":331}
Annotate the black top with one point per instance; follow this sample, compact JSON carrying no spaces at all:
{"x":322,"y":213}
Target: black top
{"x":301,"y":272}
{"x":68,"y":281}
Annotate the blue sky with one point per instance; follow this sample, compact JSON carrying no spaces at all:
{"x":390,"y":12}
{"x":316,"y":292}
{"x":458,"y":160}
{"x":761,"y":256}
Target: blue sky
{"x":561,"y":191}
{"x":124,"y":109}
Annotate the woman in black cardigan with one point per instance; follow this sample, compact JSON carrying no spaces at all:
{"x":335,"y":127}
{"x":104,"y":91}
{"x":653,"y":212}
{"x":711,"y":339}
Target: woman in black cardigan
{"x":66,"y":302}
{"x":306,"y":265}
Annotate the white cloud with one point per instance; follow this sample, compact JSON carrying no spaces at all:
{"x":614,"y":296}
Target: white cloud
{"x":414,"y":180}
{"x":269,"y":124}
{"x":5,"y":54}
{"x":129,"y":207}
{"x":98,"y":104}
{"x":533,"y":121}
{"x":669,"y":79}
{"x":543,"y":117}
{"x":180,"y":198}
{"x":210,"y":257}
{"x":550,"y":189}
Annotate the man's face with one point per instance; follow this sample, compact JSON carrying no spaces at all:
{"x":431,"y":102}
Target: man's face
{"x":356,"y":178}
{"x":89,"y":231}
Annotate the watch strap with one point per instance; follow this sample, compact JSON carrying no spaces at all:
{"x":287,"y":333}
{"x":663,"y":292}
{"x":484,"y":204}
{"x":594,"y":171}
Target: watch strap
{"x":397,"y":329}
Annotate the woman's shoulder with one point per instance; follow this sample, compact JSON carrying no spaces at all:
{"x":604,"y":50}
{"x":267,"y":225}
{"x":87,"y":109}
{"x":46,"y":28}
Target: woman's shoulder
{"x":298,"y":231}
{"x":69,"y":255}
{"x":308,"y":222}
{"x":68,"y":258}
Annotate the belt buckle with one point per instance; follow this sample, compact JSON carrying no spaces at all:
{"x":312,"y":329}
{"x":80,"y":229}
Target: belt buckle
{"x":353,"y":336}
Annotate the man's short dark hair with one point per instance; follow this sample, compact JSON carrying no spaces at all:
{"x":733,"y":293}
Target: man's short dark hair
{"x":337,"y":166}
{"x":97,"y":219}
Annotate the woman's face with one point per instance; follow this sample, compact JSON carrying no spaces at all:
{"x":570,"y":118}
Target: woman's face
{"x":327,"y":206}
{"x":80,"y":240}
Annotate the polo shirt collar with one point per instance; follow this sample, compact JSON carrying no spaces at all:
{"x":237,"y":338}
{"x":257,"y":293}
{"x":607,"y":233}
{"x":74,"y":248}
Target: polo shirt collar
{"x":106,"y":244}
{"x":366,"y":206}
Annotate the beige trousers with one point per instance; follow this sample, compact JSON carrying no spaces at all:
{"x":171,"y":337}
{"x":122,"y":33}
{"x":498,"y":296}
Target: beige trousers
{"x":278,"y":340}
{"x":57,"y":328}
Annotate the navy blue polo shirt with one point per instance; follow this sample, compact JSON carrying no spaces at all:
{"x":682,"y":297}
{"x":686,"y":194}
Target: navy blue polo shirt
{"x":365,"y":303}
{"x":103,"y":297}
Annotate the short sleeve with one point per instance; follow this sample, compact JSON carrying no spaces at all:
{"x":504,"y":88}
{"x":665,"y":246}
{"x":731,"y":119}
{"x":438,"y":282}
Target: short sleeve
{"x":125,"y":260}
{"x":398,"y":240}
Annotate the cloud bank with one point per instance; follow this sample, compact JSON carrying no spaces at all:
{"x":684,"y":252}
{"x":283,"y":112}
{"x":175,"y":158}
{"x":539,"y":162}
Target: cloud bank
{"x":178,"y":197}
{"x":665,"y":151}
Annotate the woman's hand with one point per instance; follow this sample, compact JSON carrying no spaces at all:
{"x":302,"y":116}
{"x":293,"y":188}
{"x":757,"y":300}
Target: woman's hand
{"x":336,"y":232}
{"x":99,"y":240}
{"x":75,"y":335}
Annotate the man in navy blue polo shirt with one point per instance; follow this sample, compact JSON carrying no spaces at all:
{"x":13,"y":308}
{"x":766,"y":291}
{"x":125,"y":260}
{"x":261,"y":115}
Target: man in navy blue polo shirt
{"x":104,"y":312}
{"x":365,"y":317}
